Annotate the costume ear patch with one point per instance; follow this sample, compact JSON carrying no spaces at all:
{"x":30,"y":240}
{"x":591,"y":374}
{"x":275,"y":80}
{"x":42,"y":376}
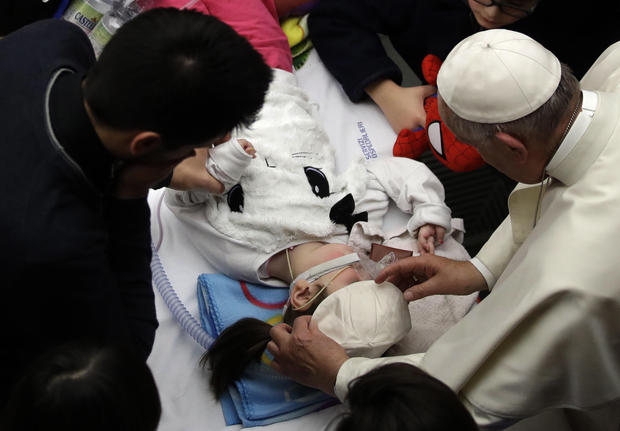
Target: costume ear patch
{"x":342,"y":213}
{"x":318,"y":181}
{"x":235,"y":198}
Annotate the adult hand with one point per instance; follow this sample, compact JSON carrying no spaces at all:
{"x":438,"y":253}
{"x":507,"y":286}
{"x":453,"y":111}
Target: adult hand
{"x":426,"y":275}
{"x":191,"y":174}
{"x":403,"y":106}
{"x":306,"y":355}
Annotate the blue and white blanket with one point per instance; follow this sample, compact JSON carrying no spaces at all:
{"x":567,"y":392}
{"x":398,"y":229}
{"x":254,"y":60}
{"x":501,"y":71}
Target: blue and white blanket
{"x":261,"y":396}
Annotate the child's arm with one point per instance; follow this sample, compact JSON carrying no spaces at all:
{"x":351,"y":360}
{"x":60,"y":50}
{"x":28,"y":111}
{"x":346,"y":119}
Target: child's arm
{"x":212,"y":171}
{"x":415,"y":190}
{"x":227,"y":162}
{"x":345,"y":34}
{"x":403,"y":107}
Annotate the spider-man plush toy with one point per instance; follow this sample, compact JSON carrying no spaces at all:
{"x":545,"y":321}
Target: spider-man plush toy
{"x":454,"y":154}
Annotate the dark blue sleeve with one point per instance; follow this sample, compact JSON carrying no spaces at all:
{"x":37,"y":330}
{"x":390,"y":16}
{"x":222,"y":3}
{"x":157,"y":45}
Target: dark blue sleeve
{"x":344,"y":33}
{"x":129,"y":253}
{"x":43,"y":44}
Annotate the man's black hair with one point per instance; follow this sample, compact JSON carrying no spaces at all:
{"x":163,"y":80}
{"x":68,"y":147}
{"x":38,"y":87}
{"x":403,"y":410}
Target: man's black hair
{"x":180,"y":73}
{"x":84,"y":386}
{"x":401,"y":397}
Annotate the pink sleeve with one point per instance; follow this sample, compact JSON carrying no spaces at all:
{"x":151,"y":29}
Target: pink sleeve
{"x":256,"y":20}
{"x":180,"y":4}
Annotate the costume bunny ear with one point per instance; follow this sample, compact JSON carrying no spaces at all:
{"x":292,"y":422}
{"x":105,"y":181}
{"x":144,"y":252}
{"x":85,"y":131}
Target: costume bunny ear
{"x":365,"y":318}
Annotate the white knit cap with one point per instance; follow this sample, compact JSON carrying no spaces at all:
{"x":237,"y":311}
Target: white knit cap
{"x":365,"y":318}
{"x":495,"y":76}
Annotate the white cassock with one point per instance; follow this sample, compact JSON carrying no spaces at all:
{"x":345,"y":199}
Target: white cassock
{"x":545,"y":344}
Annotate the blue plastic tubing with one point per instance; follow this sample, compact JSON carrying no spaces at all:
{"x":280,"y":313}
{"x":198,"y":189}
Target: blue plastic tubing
{"x":177,"y":308}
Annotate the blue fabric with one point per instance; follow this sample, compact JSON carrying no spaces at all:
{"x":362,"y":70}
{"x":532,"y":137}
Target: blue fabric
{"x":261,"y":396}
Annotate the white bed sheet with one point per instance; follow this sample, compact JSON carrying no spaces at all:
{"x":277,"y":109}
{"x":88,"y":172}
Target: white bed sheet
{"x":187,"y":404}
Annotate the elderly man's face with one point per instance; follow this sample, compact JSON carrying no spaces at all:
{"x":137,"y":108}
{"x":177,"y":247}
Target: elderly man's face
{"x":495,"y":155}
{"x":504,"y":152}
{"x":508,"y":158}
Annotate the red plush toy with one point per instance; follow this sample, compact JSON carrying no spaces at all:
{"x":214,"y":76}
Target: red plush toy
{"x":454,"y":154}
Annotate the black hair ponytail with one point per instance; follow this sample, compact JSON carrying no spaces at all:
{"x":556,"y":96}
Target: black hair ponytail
{"x":237,"y":346}
{"x":241,"y":343}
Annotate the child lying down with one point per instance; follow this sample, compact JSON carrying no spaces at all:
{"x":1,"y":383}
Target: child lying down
{"x":289,"y":192}
{"x":287,"y":218}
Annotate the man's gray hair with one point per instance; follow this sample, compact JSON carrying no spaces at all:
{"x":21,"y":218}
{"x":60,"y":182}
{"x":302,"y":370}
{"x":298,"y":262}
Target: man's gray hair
{"x":534,"y":127}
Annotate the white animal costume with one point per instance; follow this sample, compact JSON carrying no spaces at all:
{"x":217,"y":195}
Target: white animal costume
{"x":290,"y":193}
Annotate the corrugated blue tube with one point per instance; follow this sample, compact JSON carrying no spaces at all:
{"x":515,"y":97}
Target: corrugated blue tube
{"x":177,"y":308}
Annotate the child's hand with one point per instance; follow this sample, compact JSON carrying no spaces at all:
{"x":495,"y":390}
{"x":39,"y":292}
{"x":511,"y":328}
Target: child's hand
{"x":247,"y":147}
{"x":427,"y":236}
{"x":402,"y":106}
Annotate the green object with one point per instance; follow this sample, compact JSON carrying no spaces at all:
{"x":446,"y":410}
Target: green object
{"x":300,"y":53}
{"x":101,"y":35}
{"x":86,"y":13}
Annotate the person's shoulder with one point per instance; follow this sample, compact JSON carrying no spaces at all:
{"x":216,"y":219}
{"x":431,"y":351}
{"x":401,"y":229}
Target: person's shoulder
{"x":53,"y":42}
{"x":48,"y":29}
{"x":50,"y":35}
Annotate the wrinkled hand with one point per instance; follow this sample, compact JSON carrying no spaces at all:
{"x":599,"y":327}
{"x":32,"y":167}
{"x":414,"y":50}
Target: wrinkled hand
{"x":191,"y":174}
{"x":427,"y":236}
{"x":434,"y":275}
{"x":403,"y":106}
{"x":306,"y":355}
